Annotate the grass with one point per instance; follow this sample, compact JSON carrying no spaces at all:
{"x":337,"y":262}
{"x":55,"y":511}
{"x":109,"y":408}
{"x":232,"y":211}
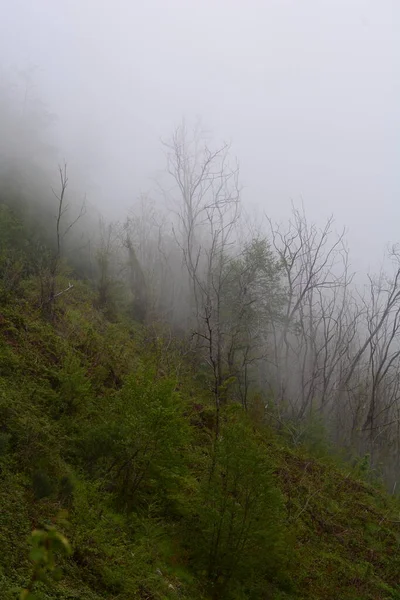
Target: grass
{"x":342,"y":534}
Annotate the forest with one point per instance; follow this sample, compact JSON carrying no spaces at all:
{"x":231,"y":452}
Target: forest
{"x":195,"y":402}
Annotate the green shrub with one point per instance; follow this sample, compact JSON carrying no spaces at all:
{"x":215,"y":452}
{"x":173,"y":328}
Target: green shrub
{"x":238,"y":514}
{"x":42,"y":485}
{"x":138,"y":447}
{"x":74,"y":387}
{"x":46,"y":544}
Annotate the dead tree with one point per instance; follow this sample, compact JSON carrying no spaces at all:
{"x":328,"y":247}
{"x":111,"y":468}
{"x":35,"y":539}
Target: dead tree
{"x":206,"y":209}
{"x":137,"y":282}
{"x":311,"y":260}
{"x":49,"y":284}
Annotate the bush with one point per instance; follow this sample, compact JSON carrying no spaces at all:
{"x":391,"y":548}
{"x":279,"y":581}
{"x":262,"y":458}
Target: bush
{"x":137,"y":448}
{"x":238,"y":515}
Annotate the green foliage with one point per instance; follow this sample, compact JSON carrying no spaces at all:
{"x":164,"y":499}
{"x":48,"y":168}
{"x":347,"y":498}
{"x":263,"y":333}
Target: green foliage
{"x":137,"y":447}
{"x":42,"y":485}
{"x":74,"y":386}
{"x":12,"y":264}
{"x":238,"y":516}
{"x":109,"y":419}
{"x":311,"y":433}
{"x":251,"y":297}
{"x":46,"y":544}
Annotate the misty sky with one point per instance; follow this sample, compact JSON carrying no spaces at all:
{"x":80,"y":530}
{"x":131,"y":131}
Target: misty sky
{"x":307,"y":90}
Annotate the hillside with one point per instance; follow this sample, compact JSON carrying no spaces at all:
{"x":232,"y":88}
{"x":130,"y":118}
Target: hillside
{"x":114,"y":422}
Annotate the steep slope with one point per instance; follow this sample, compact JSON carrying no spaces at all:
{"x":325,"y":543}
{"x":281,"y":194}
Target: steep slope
{"x":112,"y":422}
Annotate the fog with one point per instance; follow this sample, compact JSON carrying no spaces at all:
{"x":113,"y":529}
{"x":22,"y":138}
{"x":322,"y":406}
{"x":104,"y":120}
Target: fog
{"x":308,"y":93}
{"x":153,"y":105}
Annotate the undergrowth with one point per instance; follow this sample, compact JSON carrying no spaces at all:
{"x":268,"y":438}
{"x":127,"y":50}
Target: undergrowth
{"x":110,"y":421}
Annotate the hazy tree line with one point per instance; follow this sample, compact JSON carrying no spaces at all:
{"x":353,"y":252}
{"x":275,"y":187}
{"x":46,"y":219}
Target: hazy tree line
{"x":271,"y":311}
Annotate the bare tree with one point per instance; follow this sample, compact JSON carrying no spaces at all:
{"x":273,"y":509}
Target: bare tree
{"x":315,"y":276}
{"x":137,"y":281}
{"x":48,"y":288}
{"x":109,"y":264}
{"x":206,"y":208}
{"x":379,"y":315}
{"x":379,"y":356}
{"x":159,"y":258}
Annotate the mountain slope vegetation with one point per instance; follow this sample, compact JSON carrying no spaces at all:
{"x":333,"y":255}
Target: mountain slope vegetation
{"x":168,"y":493}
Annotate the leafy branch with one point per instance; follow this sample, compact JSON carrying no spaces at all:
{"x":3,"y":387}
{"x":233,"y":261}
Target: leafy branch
{"x":46,"y":544}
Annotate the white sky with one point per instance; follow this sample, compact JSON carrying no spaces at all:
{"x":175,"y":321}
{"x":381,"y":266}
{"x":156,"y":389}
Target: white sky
{"x":307,"y":90}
